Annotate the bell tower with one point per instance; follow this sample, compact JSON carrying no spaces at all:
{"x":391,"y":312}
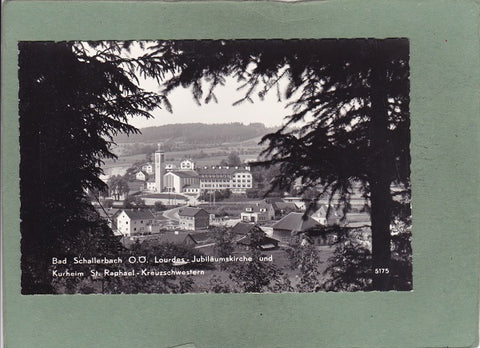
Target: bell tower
{"x":159,"y":171}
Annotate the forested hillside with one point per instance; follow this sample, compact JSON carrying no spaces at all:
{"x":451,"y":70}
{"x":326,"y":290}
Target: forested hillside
{"x":197,"y":133}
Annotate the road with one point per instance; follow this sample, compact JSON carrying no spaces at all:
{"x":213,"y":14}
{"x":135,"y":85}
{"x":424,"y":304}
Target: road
{"x":172,"y":214}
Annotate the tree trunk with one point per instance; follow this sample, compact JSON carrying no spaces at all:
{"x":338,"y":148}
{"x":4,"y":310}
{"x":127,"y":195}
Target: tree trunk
{"x":380,"y":176}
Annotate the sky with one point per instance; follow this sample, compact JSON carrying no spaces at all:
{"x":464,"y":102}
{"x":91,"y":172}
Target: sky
{"x":185,"y":110}
{"x":269,"y":111}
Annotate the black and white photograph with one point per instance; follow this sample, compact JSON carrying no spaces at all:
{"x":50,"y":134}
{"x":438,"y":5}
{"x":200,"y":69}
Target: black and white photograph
{"x":215,"y":166}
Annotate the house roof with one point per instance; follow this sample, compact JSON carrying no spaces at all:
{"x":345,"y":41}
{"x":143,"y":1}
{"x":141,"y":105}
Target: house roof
{"x":322,"y":212}
{"x":139,"y":214}
{"x":257,"y":208}
{"x":169,"y":238}
{"x":151,"y":179}
{"x":295,"y":222}
{"x":189,"y":211}
{"x":201,"y":237}
{"x":184,"y":173}
{"x":108,"y":213}
{"x":284,"y":206}
{"x":192,"y":186}
{"x":243,"y":228}
{"x":247,"y":240}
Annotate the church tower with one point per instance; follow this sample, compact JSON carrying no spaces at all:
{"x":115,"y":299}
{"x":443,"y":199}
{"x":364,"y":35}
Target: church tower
{"x":159,"y":171}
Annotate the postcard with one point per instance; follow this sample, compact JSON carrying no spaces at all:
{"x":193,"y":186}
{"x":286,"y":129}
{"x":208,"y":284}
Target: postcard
{"x":297,"y":179}
{"x":238,"y":175}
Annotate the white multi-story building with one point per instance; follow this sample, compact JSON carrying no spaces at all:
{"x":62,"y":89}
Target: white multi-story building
{"x":133,"y":222}
{"x":237,"y":179}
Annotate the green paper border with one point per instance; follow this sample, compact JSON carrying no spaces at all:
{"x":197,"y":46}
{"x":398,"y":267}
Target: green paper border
{"x":443,"y":308}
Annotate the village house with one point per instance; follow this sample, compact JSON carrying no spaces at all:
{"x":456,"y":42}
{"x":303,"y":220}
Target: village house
{"x":291,"y":225}
{"x":187,"y":165}
{"x":199,"y":239}
{"x":258,"y":213}
{"x":132,"y":222}
{"x":325,"y":235}
{"x":193,"y":218}
{"x":150,"y":184}
{"x":148,"y":168}
{"x":280,"y":207}
{"x":243,"y":237}
{"x":141,"y":175}
{"x":320,"y":215}
{"x":299,"y":202}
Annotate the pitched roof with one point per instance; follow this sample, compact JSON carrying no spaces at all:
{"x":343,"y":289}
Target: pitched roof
{"x":201,"y":237}
{"x":257,"y":208}
{"x":189,"y":211}
{"x":139,"y":214}
{"x":322,"y":212}
{"x":108,"y":213}
{"x":247,"y":240}
{"x":243,"y":228}
{"x":184,"y":173}
{"x":284,"y":206}
{"x":168,"y":238}
{"x":295,"y":222}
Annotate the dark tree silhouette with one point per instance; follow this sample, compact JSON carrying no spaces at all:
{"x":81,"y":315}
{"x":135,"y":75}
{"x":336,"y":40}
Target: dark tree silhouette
{"x":74,"y":97}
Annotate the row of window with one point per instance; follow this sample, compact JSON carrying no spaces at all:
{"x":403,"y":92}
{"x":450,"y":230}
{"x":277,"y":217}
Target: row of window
{"x":135,"y":222}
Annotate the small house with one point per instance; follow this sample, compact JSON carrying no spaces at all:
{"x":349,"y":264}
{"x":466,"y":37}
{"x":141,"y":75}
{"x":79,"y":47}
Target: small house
{"x":250,"y":235}
{"x":193,"y":218}
{"x":289,"y":226}
{"x":148,"y":168}
{"x":320,"y":215}
{"x":132,"y":222}
{"x":141,"y":175}
{"x":258,"y":213}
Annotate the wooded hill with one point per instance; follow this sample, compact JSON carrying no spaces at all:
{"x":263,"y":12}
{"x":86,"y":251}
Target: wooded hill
{"x":197,"y":133}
